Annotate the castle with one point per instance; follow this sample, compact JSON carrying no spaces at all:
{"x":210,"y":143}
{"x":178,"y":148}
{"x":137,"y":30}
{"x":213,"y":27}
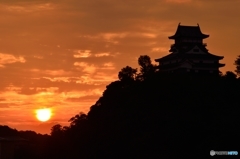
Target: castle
{"x":189,"y":54}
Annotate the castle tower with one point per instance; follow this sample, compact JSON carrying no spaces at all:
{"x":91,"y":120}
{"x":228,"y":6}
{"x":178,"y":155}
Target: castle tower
{"x":189,"y":54}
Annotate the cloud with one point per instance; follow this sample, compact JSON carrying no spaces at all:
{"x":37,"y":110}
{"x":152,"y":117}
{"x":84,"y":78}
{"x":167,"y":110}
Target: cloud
{"x":27,"y":7}
{"x":110,"y":36}
{"x":102,"y":54}
{"x":179,"y":1}
{"x":160,"y":49}
{"x":80,"y":99}
{"x":82,"y":53}
{"x":85,"y":67}
{"x":9,"y":59}
{"x":109,"y":64}
{"x":59,"y":79}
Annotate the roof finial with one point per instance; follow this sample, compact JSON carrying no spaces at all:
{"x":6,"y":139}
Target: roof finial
{"x":179,"y":23}
{"x":198,"y":24}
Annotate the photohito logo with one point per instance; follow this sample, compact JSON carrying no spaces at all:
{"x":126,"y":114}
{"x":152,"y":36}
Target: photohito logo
{"x":212,"y":152}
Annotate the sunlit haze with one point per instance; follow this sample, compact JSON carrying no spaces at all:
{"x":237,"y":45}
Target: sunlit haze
{"x":61,"y":54}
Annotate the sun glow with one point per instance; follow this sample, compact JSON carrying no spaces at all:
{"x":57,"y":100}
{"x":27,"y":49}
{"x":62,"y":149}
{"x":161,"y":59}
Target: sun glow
{"x":43,"y":114}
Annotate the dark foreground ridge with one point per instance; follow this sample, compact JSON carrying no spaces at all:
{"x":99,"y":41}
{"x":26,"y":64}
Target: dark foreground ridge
{"x":152,"y":115}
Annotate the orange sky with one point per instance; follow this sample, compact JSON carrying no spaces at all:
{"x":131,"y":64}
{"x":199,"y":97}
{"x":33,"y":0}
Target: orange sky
{"x":61,"y":54}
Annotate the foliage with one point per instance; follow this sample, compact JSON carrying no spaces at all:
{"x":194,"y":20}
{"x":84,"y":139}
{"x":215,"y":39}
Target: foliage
{"x":237,"y":63}
{"x":77,"y":119}
{"x":127,"y":74}
{"x":147,"y":69}
{"x":57,"y":130}
{"x":230,"y":75}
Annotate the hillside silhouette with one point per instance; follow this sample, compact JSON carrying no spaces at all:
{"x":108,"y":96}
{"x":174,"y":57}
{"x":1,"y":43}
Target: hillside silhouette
{"x":148,"y":114}
{"x":154,"y":115}
{"x":27,"y":144}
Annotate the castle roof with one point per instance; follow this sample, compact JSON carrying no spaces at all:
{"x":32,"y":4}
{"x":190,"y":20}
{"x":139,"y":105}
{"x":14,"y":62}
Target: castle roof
{"x":189,"y":56}
{"x":188,"y":31}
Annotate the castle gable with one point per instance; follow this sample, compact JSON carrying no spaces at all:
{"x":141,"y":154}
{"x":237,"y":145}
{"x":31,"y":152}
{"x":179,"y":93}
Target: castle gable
{"x":196,"y":50}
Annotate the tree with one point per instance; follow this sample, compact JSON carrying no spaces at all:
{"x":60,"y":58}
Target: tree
{"x":78,"y":119}
{"x":147,"y":69}
{"x":237,"y":63}
{"x":127,"y":74}
{"x":230,"y":75}
{"x":57,"y":130}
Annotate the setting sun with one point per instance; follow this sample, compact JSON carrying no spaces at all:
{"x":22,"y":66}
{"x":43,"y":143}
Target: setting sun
{"x":43,"y":114}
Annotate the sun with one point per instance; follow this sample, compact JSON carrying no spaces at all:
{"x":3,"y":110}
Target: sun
{"x":43,"y":114}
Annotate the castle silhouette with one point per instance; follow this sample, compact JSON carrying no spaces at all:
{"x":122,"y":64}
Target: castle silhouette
{"x":189,"y":54}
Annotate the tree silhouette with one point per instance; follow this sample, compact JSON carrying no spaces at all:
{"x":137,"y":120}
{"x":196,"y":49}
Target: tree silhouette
{"x":230,"y":76}
{"x":163,"y":116}
{"x":148,"y":115}
{"x":77,"y":119}
{"x":26,"y":144}
{"x":147,"y":69}
{"x":237,"y":63}
{"x":57,"y":130}
{"x":127,"y":74}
